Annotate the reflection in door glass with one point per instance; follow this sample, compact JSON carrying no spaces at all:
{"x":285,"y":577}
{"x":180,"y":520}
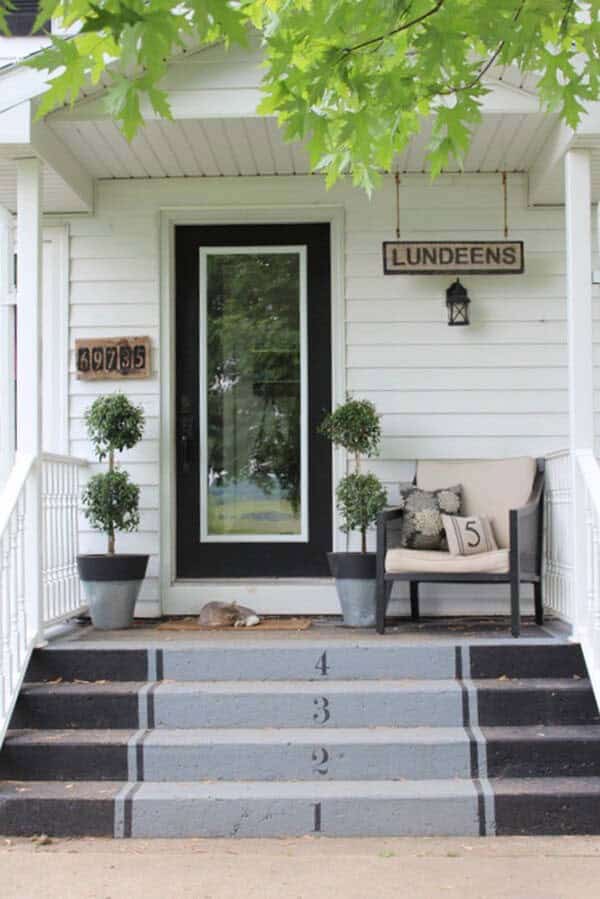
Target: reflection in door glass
{"x":252,"y":465}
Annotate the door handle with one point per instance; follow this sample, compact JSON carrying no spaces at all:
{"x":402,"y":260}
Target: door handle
{"x":186,"y":436}
{"x":184,"y":441}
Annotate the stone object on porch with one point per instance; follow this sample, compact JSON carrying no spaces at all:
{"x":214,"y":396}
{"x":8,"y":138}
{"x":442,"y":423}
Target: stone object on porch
{"x":227,"y":614}
{"x":507,"y":491}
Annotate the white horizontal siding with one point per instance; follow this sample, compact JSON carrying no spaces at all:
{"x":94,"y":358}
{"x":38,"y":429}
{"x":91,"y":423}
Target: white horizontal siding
{"x":496,"y":388}
{"x":114,"y":292}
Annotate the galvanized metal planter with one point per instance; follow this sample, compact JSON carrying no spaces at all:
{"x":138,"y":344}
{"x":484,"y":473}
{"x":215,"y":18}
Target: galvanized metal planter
{"x":355,"y":582}
{"x":112,"y":585}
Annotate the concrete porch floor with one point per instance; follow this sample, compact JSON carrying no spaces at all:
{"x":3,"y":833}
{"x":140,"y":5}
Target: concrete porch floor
{"x":145,"y":632}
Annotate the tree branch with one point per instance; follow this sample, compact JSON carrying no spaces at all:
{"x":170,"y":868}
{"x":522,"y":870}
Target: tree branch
{"x":377,"y":40}
{"x":485,"y":68}
{"x":565,"y":19}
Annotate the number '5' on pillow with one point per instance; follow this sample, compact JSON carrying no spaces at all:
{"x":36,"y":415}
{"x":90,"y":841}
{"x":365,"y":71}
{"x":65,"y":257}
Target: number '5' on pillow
{"x":469,"y":535}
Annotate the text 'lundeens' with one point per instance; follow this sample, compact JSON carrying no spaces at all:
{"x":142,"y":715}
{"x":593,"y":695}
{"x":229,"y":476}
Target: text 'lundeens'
{"x":408,"y":257}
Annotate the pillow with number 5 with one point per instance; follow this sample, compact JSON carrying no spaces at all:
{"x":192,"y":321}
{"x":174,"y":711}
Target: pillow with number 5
{"x":469,"y":535}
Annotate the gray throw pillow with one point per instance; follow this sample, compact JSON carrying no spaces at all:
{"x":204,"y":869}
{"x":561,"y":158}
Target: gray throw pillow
{"x":422,"y":526}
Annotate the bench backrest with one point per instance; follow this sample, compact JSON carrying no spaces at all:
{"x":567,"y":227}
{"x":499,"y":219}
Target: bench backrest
{"x":490,"y":486}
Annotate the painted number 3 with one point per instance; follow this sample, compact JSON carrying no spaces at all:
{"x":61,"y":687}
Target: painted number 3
{"x":322,"y":714}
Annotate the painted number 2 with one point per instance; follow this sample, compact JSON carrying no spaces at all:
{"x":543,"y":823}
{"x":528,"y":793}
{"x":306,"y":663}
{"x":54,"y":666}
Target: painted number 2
{"x":322,"y":714}
{"x":322,"y":667}
{"x":320,"y":761}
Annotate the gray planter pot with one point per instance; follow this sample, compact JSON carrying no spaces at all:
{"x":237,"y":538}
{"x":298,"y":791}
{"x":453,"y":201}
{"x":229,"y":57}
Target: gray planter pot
{"x":112,"y":585}
{"x":354,"y":575}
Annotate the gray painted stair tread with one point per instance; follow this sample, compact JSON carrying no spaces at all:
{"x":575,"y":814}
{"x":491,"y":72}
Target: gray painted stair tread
{"x":533,"y":683}
{"x":341,"y":638}
{"x":549,"y":786}
{"x":283,"y":736}
{"x":542,"y":732}
{"x":240,"y":736}
{"x":310,"y":687}
{"x":315,"y":790}
{"x":56,"y":789}
{"x":68,"y":736}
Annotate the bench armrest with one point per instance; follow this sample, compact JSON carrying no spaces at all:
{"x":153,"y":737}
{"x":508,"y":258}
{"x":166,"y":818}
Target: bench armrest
{"x":382,"y":522}
{"x":526,"y":530}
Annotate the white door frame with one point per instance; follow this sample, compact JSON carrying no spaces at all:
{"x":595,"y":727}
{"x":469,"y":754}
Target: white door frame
{"x":185,"y":596}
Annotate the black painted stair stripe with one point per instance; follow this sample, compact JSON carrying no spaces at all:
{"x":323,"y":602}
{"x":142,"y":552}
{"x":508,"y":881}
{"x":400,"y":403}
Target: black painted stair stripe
{"x":556,"y":660}
{"x":547,"y":806}
{"x":115,"y":664}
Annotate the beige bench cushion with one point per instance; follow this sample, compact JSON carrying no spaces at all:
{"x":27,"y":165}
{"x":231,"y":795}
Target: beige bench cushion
{"x":404,"y":561}
{"x":491,"y":487}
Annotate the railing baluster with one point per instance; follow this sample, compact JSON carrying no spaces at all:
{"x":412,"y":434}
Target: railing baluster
{"x":61,"y":493}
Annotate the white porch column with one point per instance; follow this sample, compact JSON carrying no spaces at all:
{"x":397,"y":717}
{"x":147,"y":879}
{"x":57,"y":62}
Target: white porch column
{"x":7,"y":349}
{"x":578,"y":201}
{"x":29,"y":368}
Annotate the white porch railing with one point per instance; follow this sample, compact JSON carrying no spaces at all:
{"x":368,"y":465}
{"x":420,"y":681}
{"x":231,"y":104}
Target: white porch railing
{"x":61,"y":589}
{"x":572,"y":567}
{"x":558,"y":550}
{"x":31,"y":600}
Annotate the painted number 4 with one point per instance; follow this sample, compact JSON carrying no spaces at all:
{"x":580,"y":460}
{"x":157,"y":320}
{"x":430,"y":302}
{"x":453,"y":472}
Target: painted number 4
{"x":322,"y":667}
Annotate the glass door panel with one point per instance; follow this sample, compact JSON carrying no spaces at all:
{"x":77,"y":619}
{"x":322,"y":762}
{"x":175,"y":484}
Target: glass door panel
{"x":253,"y":394}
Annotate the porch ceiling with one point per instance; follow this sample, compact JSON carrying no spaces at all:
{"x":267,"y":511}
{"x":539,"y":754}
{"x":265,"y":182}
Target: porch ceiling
{"x":254,"y":146}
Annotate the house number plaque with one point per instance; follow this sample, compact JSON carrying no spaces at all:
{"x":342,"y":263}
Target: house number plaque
{"x":105,"y":358}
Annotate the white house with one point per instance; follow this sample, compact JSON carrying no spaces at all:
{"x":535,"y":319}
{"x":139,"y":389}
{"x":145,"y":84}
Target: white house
{"x":118,"y":240}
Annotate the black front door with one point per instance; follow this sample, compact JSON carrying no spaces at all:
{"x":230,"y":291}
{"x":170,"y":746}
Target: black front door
{"x":253,"y":380}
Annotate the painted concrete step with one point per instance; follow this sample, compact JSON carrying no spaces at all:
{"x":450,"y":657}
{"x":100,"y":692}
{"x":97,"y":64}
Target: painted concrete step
{"x":320,"y":660}
{"x":336,"y":808}
{"x":247,"y":704}
{"x":241,"y":809}
{"x":513,"y":752}
{"x":379,"y":753}
{"x":535,"y":701}
{"x":395,"y":703}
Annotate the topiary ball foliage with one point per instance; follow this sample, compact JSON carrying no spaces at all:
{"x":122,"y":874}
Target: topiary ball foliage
{"x":111,"y":501}
{"x":355,"y":426}
{"x":360,"y":499}
{"x":114,"y":423}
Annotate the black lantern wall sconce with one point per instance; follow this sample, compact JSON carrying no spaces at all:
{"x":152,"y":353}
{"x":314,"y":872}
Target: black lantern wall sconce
{"x":457,"y":302}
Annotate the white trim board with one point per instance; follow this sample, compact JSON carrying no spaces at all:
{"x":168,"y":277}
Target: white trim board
{"x":55,"y":349}
{"x":276,"y":596}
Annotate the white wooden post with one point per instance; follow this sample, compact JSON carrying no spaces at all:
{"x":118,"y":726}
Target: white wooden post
{"x":7,"y":348}
{"x":578,"y":200}
{"x":29,"y":372}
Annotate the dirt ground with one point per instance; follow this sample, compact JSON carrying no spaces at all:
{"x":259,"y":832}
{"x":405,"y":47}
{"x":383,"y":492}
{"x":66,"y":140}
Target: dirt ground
{"x":308,"y":868}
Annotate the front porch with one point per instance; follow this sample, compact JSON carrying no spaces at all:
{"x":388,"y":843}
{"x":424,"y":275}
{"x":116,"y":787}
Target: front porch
{"x":95,"y":222}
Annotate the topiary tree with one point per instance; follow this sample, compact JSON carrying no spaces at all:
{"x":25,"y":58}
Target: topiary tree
{"x":110,"y":500}
{"x":360,"y":497}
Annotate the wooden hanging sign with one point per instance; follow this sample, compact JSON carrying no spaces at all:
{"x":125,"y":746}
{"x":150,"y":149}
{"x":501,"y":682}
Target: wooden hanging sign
{"x":448,"y":257}
{"x":109,"y":358}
